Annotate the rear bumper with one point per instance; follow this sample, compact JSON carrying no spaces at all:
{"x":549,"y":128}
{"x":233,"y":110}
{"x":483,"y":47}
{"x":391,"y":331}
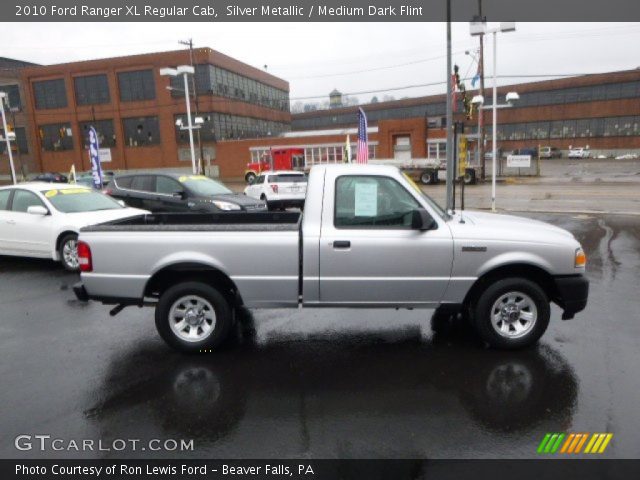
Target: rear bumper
{"x":81,"y":292}
{"x":573,"y":292}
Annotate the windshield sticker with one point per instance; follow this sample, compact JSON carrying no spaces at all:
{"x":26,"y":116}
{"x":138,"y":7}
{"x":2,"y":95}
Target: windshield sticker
{"x":366,"y":201}
{"x":66,"y":191}
{"x":184,"y":178}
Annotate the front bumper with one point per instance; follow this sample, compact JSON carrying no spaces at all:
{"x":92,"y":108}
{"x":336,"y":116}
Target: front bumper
{"x":573,"y":292}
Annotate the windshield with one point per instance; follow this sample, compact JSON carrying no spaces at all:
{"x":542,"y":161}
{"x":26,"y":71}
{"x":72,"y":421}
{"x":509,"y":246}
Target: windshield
{"x":432,"y":203}
{"x":73,"y":200}
{"x":203,"y":186}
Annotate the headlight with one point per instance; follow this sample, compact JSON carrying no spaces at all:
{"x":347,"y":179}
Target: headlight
{"x":226,"y":206}
{"x":580,"y":259}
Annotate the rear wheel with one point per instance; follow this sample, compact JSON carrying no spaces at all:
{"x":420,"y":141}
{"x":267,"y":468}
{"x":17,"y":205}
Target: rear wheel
{"x":192,"y":316}
{"x":68,"y":252}
{"x":429,"y":177}
{"x":469,"y":176}
{"x":512,"y":313}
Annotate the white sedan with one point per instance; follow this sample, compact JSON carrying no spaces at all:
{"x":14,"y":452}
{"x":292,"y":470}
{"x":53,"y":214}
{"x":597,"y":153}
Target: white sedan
{"x":280,"y":189}
{"x":43,"y":220}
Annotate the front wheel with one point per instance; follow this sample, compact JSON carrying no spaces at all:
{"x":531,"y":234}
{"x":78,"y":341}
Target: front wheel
{"x":250,"y":178}
{"x":68,"y":252}
{"x":512,"y":313}
{"x":193,"y":316}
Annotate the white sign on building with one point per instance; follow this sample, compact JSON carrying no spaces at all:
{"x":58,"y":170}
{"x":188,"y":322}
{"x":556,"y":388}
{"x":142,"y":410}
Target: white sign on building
{"x":519,"y":161}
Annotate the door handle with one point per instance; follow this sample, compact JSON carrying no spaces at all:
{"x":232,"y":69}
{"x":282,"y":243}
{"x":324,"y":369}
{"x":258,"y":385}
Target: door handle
{"x":341,"y":244}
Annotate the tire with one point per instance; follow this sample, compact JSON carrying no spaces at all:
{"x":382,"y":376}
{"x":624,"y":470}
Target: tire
{"x":205,"y":306}
{"x":250,"y":177}
{"x":428,"y":177}
{"x":68,"y":252}
{"x":447,"y":324}
{"x":469,"y":176}
{"x":506,"y":301}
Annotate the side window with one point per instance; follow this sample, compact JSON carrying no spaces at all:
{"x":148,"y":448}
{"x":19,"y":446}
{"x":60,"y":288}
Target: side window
{"x":4,"y":199}
{"x":143,"y":183}
{"x":260,"y":180}
{"x":372,"y":202}
{"x":124,"y":182}
{"x":167,"y":185}
{"x":23,"y":199}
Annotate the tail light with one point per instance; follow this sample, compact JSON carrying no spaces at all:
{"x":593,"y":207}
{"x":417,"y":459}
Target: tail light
{"x":274,"y":188}
{"x":107,"y":191}
{"x":84,"y":257}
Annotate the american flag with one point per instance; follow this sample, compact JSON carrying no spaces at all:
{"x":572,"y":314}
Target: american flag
{"x":363,"y":143}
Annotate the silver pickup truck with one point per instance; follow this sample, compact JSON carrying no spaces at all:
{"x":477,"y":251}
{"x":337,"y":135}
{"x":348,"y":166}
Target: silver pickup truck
{"x":369,"y":237}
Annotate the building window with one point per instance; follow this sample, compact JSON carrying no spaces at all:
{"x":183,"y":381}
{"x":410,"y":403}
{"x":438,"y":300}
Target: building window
{"x":13,"y":96}
{"x":18,"y":145}
{"x":436,"y":149}
{"x":92,"y":89}
{"x":141,"y":132}
{"x":137,"y":85}
{"x":213,"y":80}
{"x":50,"y":94}
{"x":105,"y":131}
{"x":56,"y":137}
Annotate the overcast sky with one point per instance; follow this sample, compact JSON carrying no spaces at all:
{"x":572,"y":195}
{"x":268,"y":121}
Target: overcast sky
{"x":352,"y":57}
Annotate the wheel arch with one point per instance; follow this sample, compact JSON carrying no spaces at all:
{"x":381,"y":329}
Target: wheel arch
{"x":529,"y":271}
{"x":174,"y":273}
{"x":60,"y":236}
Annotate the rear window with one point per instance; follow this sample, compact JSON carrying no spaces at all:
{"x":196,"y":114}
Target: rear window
{"x":287,"y":178}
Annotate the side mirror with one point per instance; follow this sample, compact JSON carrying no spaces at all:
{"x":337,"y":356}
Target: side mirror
{"x":37,"y":210}
{"x":181,"y":195}
{"x":421,"y":220}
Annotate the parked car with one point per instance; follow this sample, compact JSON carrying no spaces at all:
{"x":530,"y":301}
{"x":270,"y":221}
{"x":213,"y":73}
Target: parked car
{"x":43,"y":220}
{"x":579,"y":153}
{"x":51,"y":177}
{"x":627,"y":156}
{"x":532,"y":151}
{"x":86,"y":178}
{"x":280,"y":189}
{"x":173,"y":192}
{"x":369,"y":237}
{"x":550,"y":152}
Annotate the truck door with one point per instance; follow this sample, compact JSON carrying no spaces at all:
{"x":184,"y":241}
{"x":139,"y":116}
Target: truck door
{"x":369,"y":254}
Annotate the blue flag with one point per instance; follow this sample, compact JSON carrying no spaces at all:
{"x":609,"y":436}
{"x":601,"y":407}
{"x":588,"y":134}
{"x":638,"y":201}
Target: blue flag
{"x":475,"y":79}
{"x":94,"y":148}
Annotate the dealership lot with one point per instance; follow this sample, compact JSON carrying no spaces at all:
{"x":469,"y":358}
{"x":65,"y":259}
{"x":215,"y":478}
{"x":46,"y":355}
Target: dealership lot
{"x":323,"y":383}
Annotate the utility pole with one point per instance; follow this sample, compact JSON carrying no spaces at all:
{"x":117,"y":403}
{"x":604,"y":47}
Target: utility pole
{"x":189,"y":43}
{"x":450,"y":162}
{"x":481,"y":143}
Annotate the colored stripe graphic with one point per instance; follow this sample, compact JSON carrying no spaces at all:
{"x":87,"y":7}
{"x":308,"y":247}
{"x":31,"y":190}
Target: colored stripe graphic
{"x":573,"y":443}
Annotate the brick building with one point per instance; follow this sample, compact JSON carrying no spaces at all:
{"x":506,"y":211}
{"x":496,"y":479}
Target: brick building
{"x":600,"y":111}
{"x":17,"y":120}
{"x":134,"y":109}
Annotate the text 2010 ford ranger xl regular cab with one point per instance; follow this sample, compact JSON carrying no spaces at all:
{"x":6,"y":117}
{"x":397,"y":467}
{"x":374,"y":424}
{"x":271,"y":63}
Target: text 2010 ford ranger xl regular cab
{"x":368,"y":238}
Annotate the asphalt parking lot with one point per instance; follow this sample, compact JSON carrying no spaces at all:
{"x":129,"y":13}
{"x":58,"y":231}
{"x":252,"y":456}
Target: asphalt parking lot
{"x":323,"y":383}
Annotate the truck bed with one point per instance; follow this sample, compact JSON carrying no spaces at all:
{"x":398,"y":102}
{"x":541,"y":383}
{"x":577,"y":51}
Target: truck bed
{"x":172,"y":222}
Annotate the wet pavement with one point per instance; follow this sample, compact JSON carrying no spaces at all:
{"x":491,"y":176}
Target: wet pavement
{"x":323,"y":383}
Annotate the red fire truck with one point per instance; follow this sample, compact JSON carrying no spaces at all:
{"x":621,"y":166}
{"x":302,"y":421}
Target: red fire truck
{"x":276,"y":159}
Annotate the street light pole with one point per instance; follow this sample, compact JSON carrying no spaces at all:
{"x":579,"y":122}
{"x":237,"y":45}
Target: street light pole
{"x":449,"y":202}
{"x":495,"y":117}
{"x":189,"y":125}
{"x":174,"y":72}
{"x":6,"y":136}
